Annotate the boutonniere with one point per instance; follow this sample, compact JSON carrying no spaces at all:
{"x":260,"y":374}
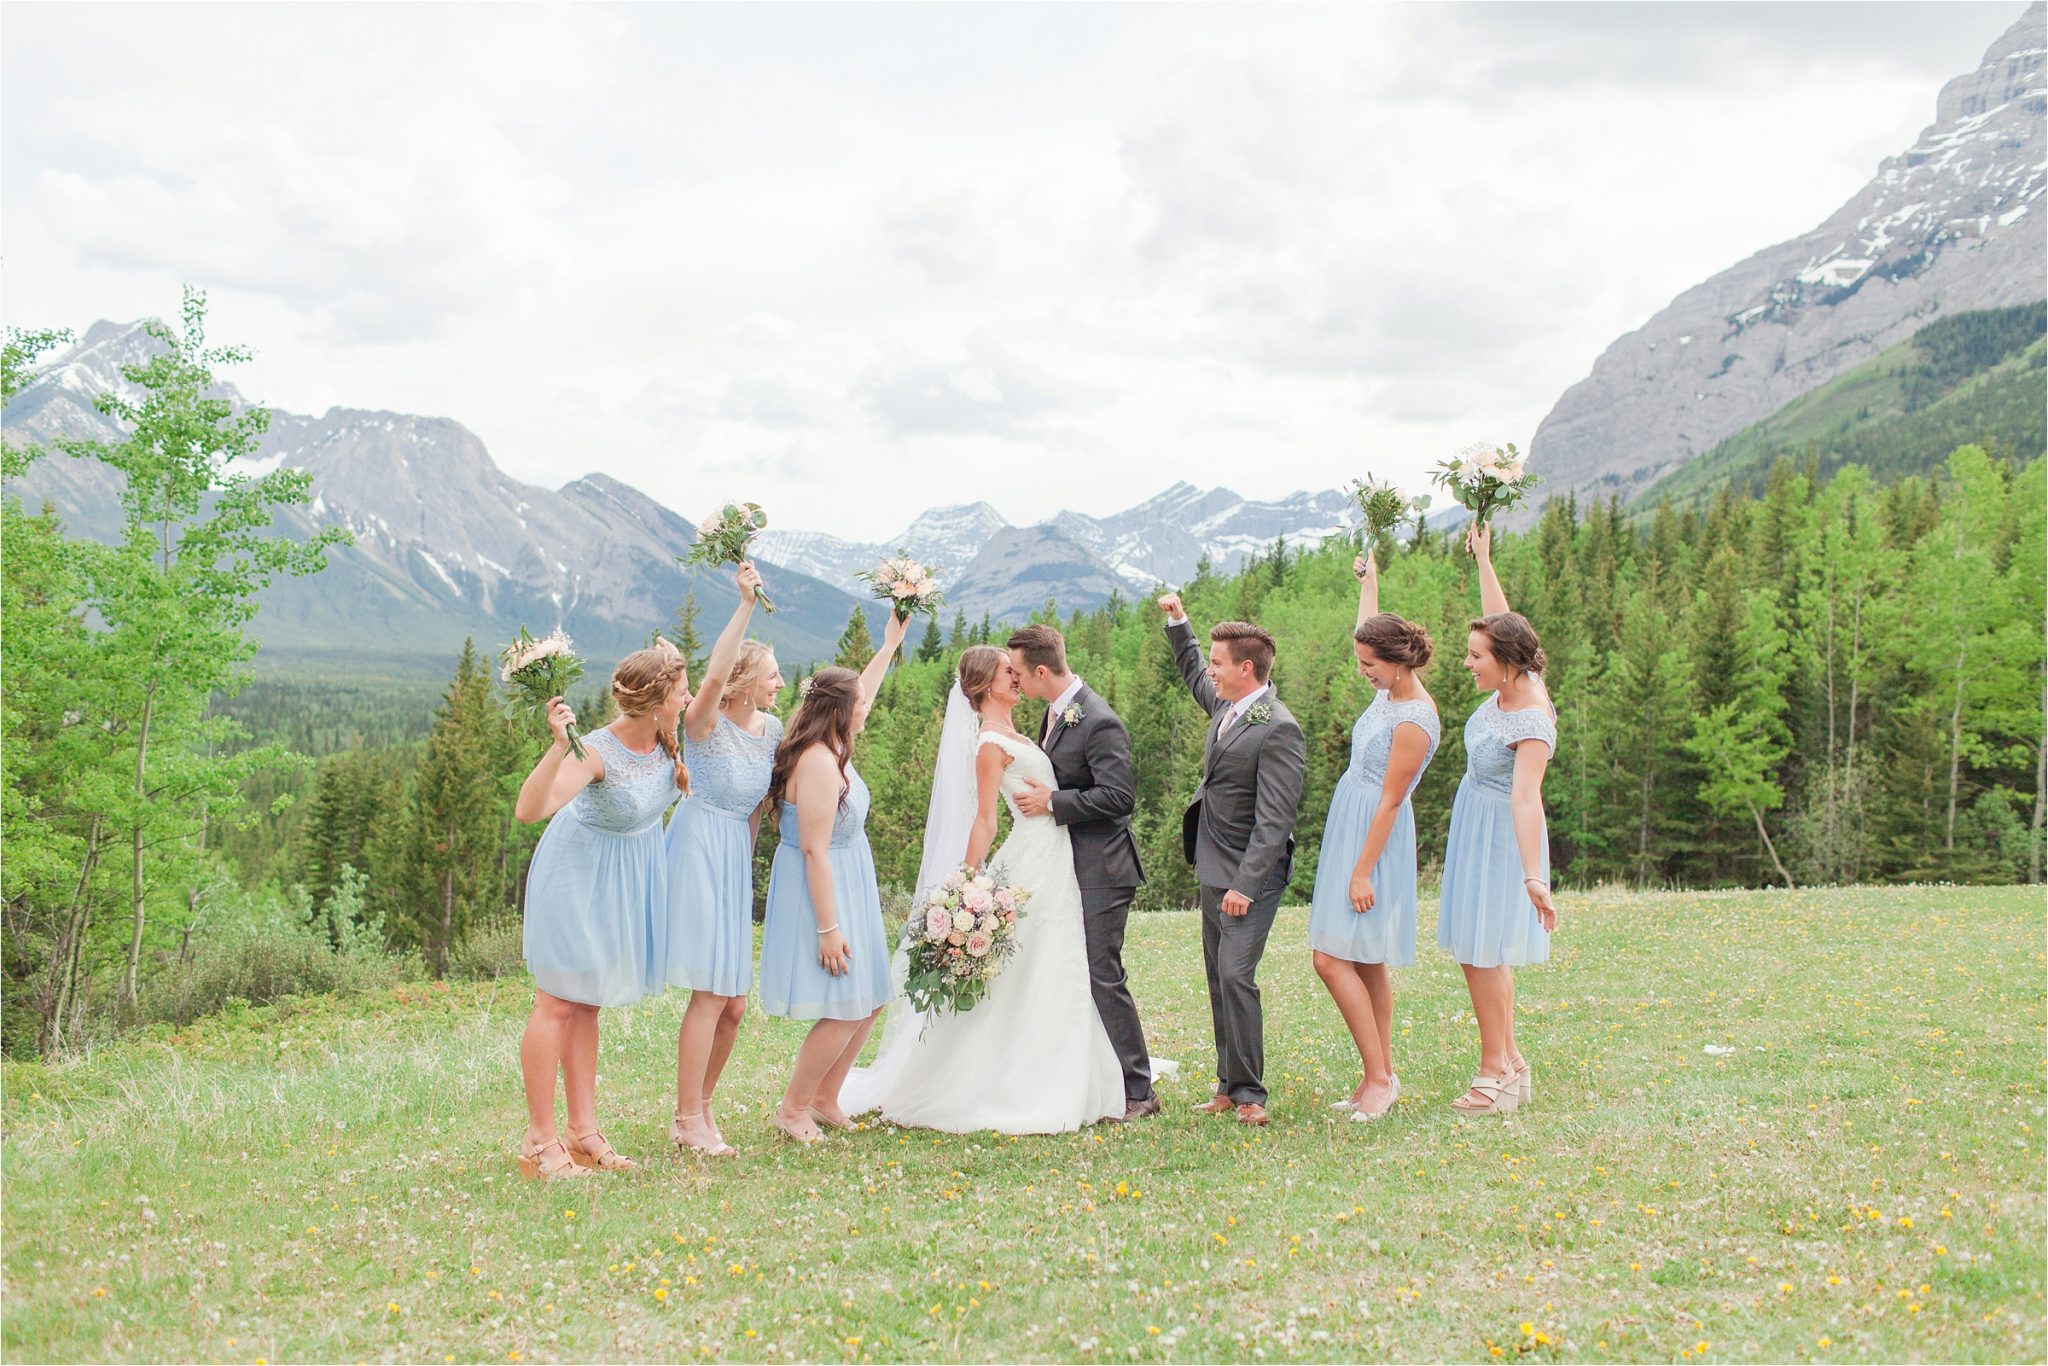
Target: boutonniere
{"x":1072,"y":715}
{"x":1260,"y":714}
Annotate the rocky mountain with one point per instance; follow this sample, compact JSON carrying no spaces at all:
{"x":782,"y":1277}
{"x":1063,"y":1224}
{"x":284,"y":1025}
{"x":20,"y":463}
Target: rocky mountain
{"x":1951,"y":224}
{"x":446,"y":544}
{"x":1078,"y":559}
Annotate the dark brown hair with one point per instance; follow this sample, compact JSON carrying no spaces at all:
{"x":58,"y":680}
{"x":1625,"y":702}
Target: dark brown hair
{"x":1395,"y":639}
{"x":642,"y":682}
{"x":1247,"y":642}
{"x":979,"y":666}
{"x":1512,"y":640}
{"x":1041,"y":645}
{"x":824,"y":717}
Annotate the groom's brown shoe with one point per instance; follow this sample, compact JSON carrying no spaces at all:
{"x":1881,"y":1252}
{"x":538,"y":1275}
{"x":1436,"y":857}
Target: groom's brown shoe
{"x":1253,"y":1113}
{"x":1215,"y":1105}
{"x":1138,"y":1109}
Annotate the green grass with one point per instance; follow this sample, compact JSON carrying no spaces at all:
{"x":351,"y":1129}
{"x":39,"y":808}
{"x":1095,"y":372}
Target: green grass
{"x":1861,"y":1179}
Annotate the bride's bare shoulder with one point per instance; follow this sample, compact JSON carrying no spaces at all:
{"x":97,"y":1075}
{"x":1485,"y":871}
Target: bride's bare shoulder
{"x":994,"y":740}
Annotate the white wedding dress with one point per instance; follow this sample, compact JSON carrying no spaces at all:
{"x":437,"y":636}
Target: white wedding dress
{"x":1031,"y":1057}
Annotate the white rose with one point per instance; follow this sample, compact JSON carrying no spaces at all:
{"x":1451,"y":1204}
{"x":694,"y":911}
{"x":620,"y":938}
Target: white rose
{"x":963,"y":921}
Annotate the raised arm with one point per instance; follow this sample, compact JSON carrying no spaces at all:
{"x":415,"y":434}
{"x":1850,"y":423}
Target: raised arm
{"x":558,"y":777}
{"x":892,"y":641}
{"x":1114,"y":793}
{"x":702,"y":716}
{"x":988,"y":784}
{"x":1187,"y":654}
{"x":1283,"y":762}
{"x":1479,"y":540}
{"x":1367,"y":569}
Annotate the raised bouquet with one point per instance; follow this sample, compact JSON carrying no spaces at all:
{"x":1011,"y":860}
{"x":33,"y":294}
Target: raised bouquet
{"x":726,"y":537}
{"x":538,"y":671}
{"x":1382,"y":506}
{"x":906,"y":586}
{"x":1486,"y":479}
{"x":959,"y":937}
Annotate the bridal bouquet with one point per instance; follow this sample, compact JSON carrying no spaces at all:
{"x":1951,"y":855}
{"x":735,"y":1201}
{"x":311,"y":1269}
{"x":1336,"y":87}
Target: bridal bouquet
{"x":538,"y":670}
{"x":958,"y":938}
{"x":1486,"y":479}
{"x":907,"y":586}
{"x":725,"y":538}
{"x":1382,"y":506}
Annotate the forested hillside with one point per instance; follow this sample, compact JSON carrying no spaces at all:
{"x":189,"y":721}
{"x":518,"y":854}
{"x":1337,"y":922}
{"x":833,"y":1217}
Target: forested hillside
{"x":1828,"y":680}
{"x":1972,"y":379}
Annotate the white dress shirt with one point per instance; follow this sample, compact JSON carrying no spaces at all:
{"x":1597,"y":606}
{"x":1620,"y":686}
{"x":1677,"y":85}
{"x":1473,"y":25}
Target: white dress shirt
{"x":1243,"y":705}
{"x":1060,"y":704}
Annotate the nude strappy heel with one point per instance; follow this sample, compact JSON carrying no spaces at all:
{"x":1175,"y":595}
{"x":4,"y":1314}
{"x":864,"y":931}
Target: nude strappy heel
{"x":607,"y":1158}
{"x":1501,"y":1096}
{"x":534,"y":1166}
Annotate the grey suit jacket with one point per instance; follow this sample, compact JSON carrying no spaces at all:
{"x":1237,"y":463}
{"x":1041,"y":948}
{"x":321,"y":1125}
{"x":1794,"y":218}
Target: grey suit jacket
{"x":1239,"y":830}
{"x":1092,"y":760}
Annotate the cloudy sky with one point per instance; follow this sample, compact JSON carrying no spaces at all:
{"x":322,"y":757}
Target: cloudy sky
{"x":852,"y":261}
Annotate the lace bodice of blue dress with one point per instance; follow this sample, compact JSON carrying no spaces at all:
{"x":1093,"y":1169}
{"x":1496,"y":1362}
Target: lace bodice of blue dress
{"x":1372,"y":738}
{"x":635,"y":789}
{"x":729,"y":768}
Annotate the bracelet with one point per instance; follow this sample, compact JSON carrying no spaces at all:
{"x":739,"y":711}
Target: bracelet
{"x":828,"y":929}
{"x":1538,"y":881}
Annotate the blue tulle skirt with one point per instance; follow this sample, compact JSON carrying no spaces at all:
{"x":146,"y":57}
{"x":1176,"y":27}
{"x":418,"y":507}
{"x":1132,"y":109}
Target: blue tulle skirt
{"x":792,"y":982}
{"x":597,"y":912}
{"x":710,"y":900}
{"x":1386,"y":933}
{"x":1485,"y":918}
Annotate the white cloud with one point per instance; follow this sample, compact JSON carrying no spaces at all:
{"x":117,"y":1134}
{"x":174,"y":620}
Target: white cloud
{"x":885,"y":258}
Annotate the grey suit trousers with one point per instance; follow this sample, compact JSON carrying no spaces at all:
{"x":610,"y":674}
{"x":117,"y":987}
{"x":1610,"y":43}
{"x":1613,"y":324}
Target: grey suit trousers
{"x":1231,"y":948}
{"x":1104,"y":912}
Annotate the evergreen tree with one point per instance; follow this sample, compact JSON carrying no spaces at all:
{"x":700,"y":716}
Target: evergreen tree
{"x":856,"y":646}
{"x":931,"y":648}
{"x":450,"y":846}
{"x":683,"y":635}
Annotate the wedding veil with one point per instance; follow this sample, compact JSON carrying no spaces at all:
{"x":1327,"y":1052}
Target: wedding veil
{"x":948,"y":823}
{"x":949,"y":820}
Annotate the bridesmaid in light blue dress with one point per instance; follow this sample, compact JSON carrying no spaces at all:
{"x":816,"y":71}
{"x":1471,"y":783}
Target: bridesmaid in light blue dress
{"x":1496,"y":911}
{"x":824,"y":953}
{"x":1362,"y":916}
{"x":596,"y":898}
{"x":729,"y":740}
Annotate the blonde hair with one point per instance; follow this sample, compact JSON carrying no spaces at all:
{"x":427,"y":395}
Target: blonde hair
{"x":642,"y":682}
{"x":756,"y":662}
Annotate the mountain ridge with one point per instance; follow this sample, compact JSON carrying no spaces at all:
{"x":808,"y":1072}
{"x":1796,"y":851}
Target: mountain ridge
{"x":1950,"y":225}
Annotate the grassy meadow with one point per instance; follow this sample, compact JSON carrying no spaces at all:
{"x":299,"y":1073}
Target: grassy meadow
{"x":1859,"y":1179}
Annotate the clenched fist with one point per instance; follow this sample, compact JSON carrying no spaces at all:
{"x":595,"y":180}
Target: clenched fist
{"x":1170,"y":603}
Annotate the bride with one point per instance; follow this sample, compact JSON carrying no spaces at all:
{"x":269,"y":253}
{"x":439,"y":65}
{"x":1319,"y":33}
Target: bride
{"x":1032,"y":1056}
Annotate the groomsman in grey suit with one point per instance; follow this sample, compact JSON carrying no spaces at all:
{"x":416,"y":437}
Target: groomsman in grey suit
{"x":1091,"y":757}
{"x":1239,"y":835}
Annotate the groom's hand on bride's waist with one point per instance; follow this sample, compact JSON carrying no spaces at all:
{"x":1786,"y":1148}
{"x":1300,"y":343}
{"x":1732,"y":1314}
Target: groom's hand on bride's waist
{"x":1035,"y":799}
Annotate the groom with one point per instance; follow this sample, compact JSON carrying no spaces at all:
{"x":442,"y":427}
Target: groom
{"x":1091,"y":758}
{"x":1239,"y":835}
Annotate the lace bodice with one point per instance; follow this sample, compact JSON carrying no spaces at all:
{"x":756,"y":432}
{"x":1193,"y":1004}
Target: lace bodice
{"x":1372,"y":738}
{"x":1029,"y":763}
{"x":635,"y":789}
{"x":849,"y":822}
{"x":1490,"y":737}
{"x":730,"y":769}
